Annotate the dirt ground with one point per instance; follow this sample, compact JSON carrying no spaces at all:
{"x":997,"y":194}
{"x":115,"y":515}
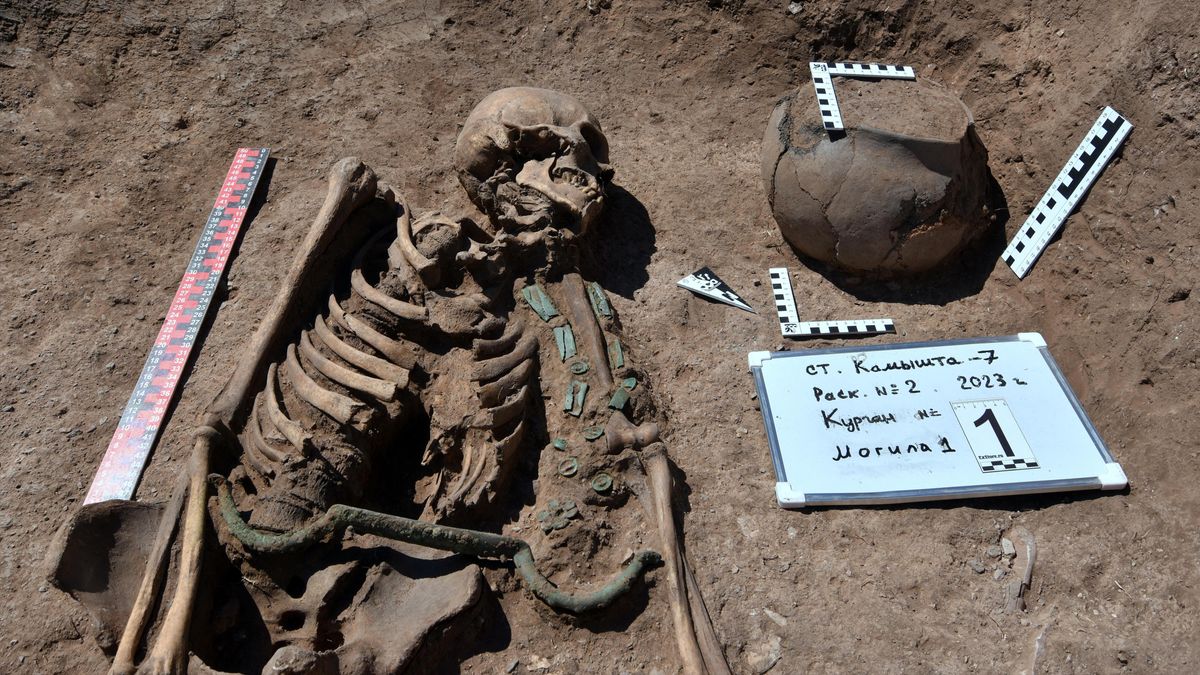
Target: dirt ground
{"x":118,"y":121}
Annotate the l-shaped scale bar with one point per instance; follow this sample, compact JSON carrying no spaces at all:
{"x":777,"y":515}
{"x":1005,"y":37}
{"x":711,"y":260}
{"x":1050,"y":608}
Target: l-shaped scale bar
{"x":790,"y":324}
{"x":822,"y":77}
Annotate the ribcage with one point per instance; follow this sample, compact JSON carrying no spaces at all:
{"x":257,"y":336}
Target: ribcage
{"x":340,"y":392}
{"x":344,"y":389}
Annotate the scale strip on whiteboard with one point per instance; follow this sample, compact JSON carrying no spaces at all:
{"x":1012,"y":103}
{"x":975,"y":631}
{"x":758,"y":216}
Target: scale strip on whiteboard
{"x":791,"y":325}
{"x":142,"y":418}
{"x":1064,"y":194}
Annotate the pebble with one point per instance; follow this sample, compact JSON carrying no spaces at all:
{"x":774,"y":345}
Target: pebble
{"x":993,"y":551}
{"x":1008,"y":547}
{"x":775,"y":616}
{"x":999,"y":573}
{"x":7,"y":408}
{"x":512,"y":665}
{"x":977,"y":566}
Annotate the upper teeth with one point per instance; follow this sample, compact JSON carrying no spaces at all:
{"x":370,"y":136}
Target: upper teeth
{"x":574,"y":178}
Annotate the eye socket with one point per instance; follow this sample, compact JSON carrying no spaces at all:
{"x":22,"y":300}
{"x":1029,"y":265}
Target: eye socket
{"x":596,"y":141}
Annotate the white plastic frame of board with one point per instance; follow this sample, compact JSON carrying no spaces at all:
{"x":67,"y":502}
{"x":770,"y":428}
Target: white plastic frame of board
{"x":1075,"y":459}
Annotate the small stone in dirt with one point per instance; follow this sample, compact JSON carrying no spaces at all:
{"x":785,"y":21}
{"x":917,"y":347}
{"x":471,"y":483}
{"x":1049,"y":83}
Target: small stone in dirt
{"x":993,"y":551}
{"x":1009,"y":548}
{"x":977,"y":566}
{"x":775,"y":616}
{"x":999,"y":573}
{"x":763,"y":657}
{"x":795,"y":7}
{"x":7,"y":408}
{"x":512,"y":665}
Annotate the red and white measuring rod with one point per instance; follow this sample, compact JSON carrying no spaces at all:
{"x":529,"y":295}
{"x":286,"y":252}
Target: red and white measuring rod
{"x":143,"y":416}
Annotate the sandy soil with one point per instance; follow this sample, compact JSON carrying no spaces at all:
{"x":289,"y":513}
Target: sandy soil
{"x":118,"y":122}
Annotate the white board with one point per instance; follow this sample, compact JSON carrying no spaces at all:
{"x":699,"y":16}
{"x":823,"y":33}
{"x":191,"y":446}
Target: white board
{"x":923,"y":421}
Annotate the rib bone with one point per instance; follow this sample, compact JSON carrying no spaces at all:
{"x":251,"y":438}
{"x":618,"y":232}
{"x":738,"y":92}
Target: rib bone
{"x":393,"y":350}
{"x":486,"y":349}
{"x":291,"y":430}
{"x":399,"y":308}
{"x":379,"y":389}
{"x":495,"y":393}
{"x":260,"y":441}
{"x":371,"y":364}
{"x":510,"y":409}
{"x":424,"y":266}
{"x":340,"y":408}
{"x":492,"y":368}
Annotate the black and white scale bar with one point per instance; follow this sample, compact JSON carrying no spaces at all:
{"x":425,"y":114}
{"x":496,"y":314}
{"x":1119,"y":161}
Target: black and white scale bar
{"x":790,"y":324}
{"x":872,"y":70}
{"x":831,"y":114}
{"x":1072,"y":183}
{"x":842,"y":328}
{"x":785,"y":302}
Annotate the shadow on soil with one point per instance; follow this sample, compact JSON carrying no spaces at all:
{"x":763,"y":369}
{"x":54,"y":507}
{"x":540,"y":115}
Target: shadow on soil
{"x":622,"y":243}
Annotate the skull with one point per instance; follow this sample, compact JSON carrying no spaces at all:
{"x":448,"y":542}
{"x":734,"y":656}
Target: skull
{"x":534,"y":158}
